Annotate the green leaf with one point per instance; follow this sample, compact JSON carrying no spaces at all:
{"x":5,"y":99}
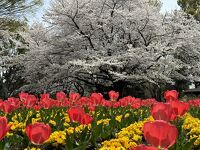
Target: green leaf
{"x":189,"y":144}
{"x":2,"y":145}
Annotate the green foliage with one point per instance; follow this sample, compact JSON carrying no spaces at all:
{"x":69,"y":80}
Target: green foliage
{"x":195,"y":112}
{"x":13,"y":25}
{"x":191,"y":7}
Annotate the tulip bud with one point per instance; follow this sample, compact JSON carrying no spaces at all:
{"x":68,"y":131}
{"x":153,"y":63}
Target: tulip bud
{"x":113,"y":95}
{"x":171,"y":95}
{"x":75,"y":113}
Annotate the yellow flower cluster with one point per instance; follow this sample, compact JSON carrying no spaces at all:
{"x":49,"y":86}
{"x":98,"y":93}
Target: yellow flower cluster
{"x":14,"y":118}
{"x":117,"y":144}
{"x":9,"y":134}
{"x":33,"y":148}
{"x":118,"y":118}
{"x":36,"y":119}
{"x":57,"y":137}
{"x":128,"y":137}
{"x":16,"y":125}
{"x":126,"y":115}
{"x":103,"y":121}
{"x":192,"y":125}
{"x":52,"y":122}
{"x":77,"y":129}
{"x":67,"y":120}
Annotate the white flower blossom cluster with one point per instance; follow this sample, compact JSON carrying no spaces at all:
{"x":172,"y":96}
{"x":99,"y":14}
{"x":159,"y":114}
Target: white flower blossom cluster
{"x":115,"y":40}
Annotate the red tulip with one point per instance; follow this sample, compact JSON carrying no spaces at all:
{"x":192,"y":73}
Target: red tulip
{"x":60,"y":96}
{"x":137,"y":103}
{"x":143,"y":147}
{"x":75,"y":113}
{"x":66,"y":103}
{"x":38,"y":133}
{"x":82,"y":101}
{"x":171,"y":95}
{"x":116,"y":104}
{"x":4,"y":127}
{"x":92,"y":108}
{"x":44,"y":96}
{"x":30,"y":101}
{"x":147,"y":102}
{"x":7,"y":107}
{"x":160,"y":133}
{"x":96,"y":99}
{"x":23,"y":96}
{"x":125,"y":101}
{"x":73,"y":97}
{"x":162,"y":111}
{"x":86,"y":119}
{"x":36,"y":107}
{"x":107,"y":103}
{"x":14,"y":101}
{"x":194,"y":102}
{"x":179,"y":107}
{"x":113,"y":95}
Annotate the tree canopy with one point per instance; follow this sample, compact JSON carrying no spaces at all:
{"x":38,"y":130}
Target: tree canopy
{"x":107,"y":42}
{"x":191,"y":7}
{"x":12,"y":44}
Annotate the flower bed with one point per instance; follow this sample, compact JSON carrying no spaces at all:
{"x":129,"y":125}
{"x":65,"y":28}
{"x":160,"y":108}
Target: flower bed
{"x":75,"y":122}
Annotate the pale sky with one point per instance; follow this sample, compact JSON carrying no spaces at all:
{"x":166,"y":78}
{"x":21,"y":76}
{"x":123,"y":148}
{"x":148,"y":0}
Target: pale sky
{"x":168,"y":5}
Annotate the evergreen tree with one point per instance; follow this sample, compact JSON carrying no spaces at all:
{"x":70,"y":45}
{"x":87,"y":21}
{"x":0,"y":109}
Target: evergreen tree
{"x":191,"y":7}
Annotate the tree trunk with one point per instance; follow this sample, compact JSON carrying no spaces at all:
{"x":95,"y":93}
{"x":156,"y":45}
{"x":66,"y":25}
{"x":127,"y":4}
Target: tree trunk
{"x":152,"y":91}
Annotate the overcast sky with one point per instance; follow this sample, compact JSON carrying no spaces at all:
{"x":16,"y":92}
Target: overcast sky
{"x":168,"y":5}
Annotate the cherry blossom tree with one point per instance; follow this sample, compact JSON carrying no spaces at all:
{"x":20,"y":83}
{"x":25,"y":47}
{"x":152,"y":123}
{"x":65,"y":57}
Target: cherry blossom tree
{"x":13,"y":15}
{"x":112,"y":44}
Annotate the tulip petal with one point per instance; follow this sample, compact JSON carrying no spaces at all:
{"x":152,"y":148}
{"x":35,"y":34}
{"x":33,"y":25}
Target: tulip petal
{"x":160,"y":133}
